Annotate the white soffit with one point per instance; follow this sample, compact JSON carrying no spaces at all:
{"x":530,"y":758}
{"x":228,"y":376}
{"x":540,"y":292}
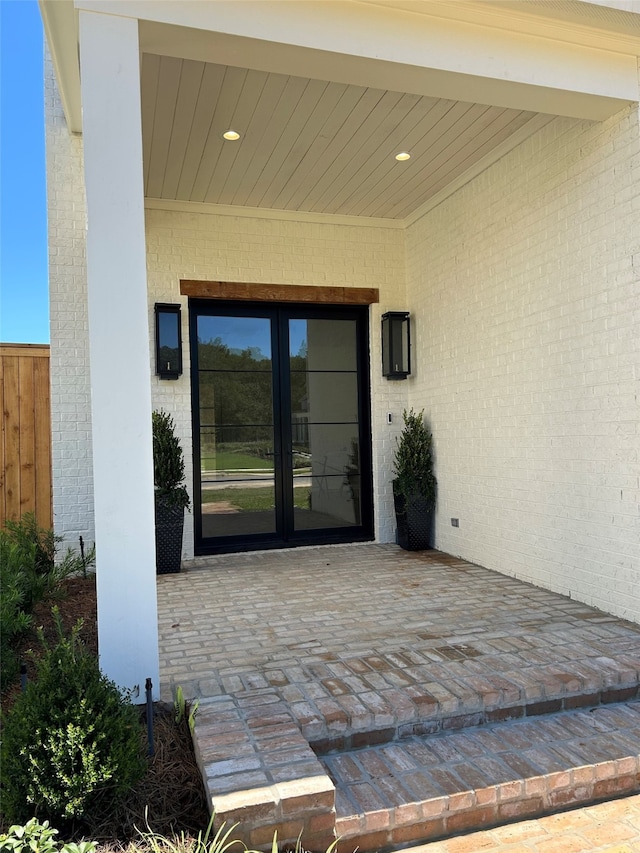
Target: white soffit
{"x":306,"y":145}
{"x":322,"y":110}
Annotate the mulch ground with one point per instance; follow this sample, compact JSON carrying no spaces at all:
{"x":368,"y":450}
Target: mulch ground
{"x":170,"y":797}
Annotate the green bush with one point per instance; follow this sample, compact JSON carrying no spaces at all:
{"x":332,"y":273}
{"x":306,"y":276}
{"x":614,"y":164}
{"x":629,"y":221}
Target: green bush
{"x":14,"y":618}
{"x":413,"y":459}
{"x":26,"y":533}
{"x":39,"y":547}
{"x":168,"y":461}
{"x":29,"y":573}
{"x":35,"y":837}
{"x":71,"y":743}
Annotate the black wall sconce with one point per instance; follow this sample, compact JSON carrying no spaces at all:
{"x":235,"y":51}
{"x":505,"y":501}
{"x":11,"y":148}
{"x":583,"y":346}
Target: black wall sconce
{"x":396,"y":345}
{"x":168,"y":341}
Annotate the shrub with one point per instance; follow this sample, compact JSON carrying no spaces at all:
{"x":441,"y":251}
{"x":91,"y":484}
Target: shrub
{"x":26,"y":533}
{"x":29,"y":573}
{"x":71,"y":743}
{"x":413,"y":459}
{"x":14,"y":619}
{"x":168,"y":461}
{"x":35,"y":837}
{"x":39,"y":547}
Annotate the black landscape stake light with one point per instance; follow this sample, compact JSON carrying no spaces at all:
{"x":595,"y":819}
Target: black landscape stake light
{"x":148,"y":687}
{"x":168,"y":340}
{"x":396,"y":345}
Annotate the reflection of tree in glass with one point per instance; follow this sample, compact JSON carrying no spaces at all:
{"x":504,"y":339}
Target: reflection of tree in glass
{"x":236,"y":399}
{"x":215,"y":355}
{"x":168,"y":358}
{"x":235,"y":390}
{"x":299,"y":392}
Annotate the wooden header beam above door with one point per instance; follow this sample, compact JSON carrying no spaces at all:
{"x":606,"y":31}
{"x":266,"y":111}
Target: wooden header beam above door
{"x":253,"y":292}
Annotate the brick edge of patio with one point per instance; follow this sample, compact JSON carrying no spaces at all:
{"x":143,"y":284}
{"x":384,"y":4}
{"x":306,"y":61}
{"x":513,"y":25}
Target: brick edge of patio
{"x":262,"y":775}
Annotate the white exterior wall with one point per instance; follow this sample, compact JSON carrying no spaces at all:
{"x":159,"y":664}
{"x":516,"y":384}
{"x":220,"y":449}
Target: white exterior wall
{"x":215,"y":247}
{"x":70,"y":388}
{"x":524,"y":289}
{"x":526,"y":286}
{"x":199,"y":246}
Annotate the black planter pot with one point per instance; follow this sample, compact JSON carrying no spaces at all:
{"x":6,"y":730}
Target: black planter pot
{"x":169,"y":525}
{"x":414,"y":520}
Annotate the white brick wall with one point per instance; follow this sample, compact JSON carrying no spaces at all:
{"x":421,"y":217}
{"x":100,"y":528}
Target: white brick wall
{"x":524,"y":293}
{"x":526,"y":288}
{"x":280,"y":251}
{"x":200,"y":246}
{"x":70,"y":391}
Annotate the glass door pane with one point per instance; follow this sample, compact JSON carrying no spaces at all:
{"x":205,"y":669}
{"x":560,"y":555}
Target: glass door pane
{"x":237,"y":438}
{"x":325,"y":429}
{"x":281,"y":425}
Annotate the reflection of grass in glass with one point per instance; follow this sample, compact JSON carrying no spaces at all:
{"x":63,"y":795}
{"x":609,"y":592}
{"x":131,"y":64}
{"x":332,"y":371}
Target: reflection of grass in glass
{"x":254,"y":499}
{"x":223,"y":460}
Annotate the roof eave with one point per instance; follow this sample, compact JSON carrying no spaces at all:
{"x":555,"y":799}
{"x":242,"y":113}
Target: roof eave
{"x":60,"y":23}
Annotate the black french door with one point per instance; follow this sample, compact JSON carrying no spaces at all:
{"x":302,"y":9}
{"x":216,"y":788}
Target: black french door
{"x":281,"y":425}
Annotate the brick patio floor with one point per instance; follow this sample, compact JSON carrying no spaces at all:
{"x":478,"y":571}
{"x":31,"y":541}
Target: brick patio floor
{"x":612,"y":827}
{"x":351,"y":646}
{"x":343,"y":624}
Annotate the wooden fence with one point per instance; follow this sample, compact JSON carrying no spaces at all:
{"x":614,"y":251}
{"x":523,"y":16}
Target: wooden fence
{"x":25,"y":445}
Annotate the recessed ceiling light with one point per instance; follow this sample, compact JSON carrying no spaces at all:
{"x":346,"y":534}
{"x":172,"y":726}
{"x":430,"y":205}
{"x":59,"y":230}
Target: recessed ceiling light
{"x":403,"y":155}
{"x":231,"y":135}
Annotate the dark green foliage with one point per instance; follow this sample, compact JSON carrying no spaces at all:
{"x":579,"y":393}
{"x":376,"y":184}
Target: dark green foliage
{"x":71,"y":743}
{"x":26,"y":533}
{"x":168,"y":461}
{"x":239,"y":392}
{"x":14,"y":619}
{"x":413,"y":460}
{"x":29,"y":573}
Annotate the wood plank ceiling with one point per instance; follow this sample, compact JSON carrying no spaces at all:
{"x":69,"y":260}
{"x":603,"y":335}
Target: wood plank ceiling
{"x":305,"y":145}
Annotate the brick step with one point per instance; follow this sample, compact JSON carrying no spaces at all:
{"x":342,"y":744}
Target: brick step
{"x":416,"y":712}
{"x":262,"y":769}
{"x":426,"y":787}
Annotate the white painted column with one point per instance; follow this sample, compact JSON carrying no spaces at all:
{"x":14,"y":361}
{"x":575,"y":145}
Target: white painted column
{"x":119,"y":351}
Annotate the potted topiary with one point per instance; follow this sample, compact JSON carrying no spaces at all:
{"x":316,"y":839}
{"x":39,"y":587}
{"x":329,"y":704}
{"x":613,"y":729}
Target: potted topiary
{"x":171,"y":496}
{"x":414,"y":486}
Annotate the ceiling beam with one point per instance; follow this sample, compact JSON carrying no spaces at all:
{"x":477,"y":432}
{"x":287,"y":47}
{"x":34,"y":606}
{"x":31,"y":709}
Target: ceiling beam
{"x":402,"y":46}
{"x":390,"y":47}
{"x":260,"y":292}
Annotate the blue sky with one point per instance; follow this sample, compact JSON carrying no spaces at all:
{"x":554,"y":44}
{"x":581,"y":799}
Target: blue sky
{"x":24,"y":305}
